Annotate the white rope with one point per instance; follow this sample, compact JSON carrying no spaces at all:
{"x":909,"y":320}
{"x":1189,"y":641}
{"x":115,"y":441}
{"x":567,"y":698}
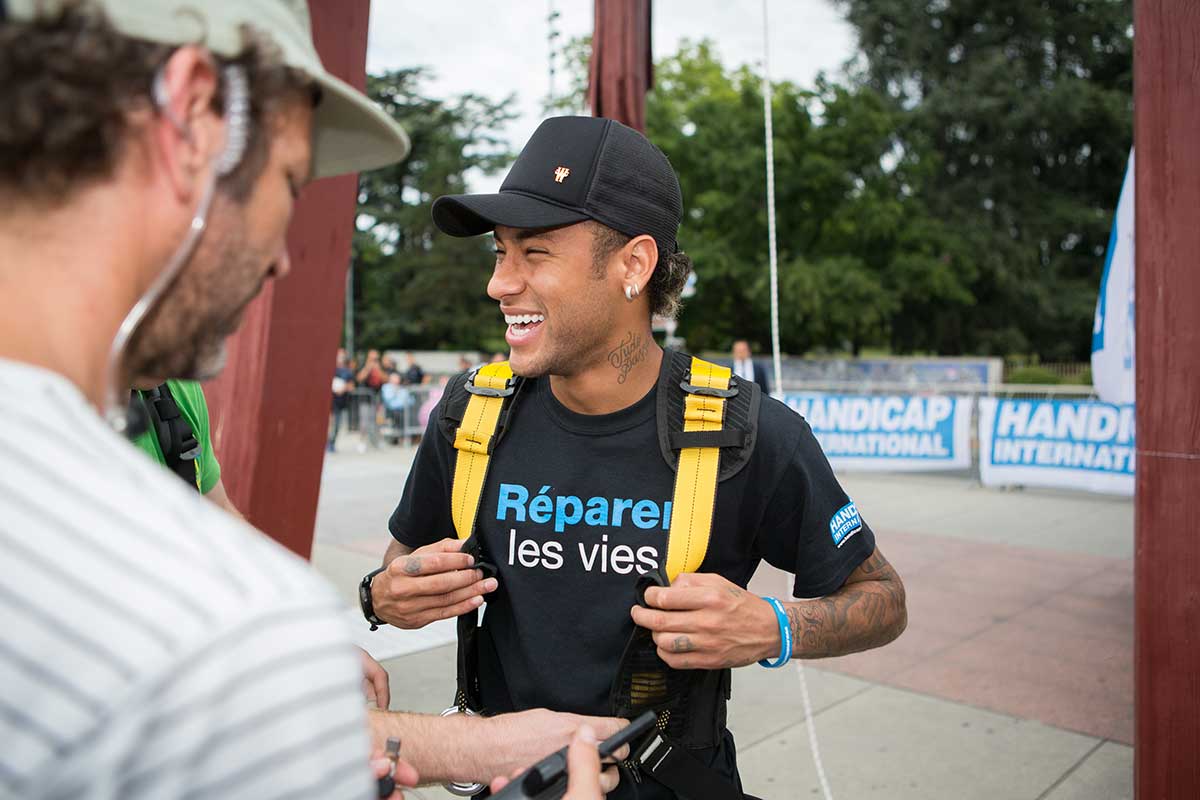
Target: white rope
{"x":766,"y":91}
{"x":812,"y":732}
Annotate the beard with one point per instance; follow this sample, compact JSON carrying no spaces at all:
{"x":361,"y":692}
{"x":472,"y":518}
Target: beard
{"x":183,"y":335}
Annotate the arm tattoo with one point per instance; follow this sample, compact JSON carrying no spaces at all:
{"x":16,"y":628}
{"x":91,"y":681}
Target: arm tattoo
{"x":868,"y":611}
{"x":628,"y":354}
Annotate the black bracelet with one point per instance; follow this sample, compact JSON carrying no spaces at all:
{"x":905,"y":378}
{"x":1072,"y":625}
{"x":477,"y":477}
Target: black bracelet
{"x":366,"y":602}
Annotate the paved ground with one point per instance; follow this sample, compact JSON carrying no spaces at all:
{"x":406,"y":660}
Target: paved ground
{"x":1014,"y":680}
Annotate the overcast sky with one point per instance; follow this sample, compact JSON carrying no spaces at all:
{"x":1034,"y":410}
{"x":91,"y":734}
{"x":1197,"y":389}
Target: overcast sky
{"x":495,"y":48}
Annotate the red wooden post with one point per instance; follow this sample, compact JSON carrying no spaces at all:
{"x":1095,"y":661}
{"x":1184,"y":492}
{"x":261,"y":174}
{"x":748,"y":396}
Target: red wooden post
{"x":622,"y":67}
{"x":1167,"y":572}
{"x":270,"y":407}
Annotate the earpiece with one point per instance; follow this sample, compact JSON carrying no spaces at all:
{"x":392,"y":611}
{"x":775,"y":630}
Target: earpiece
{"x":237,"y":115}
{"x":237,"y":119}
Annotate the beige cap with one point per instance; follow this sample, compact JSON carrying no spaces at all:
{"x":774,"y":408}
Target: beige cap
{"x":350,"y":133}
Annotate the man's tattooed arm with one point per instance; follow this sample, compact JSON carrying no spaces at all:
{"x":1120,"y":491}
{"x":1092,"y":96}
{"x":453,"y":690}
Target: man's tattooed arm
{"x":868,"y":611}
{"x":628,"y":354}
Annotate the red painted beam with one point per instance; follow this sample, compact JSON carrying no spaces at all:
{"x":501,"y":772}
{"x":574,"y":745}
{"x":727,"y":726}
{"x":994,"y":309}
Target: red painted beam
{"x":622,"y":68}
{"x":270,"y":407}
{"x":1167,"y":571}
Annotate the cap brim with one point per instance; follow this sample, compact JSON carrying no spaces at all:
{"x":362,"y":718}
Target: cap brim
{"x":473,"y":214}
{"x":350,"y":133}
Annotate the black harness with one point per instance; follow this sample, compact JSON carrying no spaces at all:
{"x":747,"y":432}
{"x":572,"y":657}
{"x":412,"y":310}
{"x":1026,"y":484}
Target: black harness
{"x":175,"y":436}
{"x":690,"y":705}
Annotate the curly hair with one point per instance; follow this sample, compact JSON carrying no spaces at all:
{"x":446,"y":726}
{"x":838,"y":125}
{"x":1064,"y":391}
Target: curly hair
{"x":70,"y":84}
{"x":667,"y":281}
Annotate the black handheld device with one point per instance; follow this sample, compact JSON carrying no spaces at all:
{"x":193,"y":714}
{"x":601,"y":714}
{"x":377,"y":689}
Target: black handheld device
{"x":547,"y":779}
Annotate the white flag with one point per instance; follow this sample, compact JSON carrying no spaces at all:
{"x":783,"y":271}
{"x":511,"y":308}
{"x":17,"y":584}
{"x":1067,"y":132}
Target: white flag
{"x":1113,"y":334}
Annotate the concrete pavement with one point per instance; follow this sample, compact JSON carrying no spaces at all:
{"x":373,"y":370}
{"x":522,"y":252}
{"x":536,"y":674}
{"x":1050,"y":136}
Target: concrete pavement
{"x":1013,"y":680}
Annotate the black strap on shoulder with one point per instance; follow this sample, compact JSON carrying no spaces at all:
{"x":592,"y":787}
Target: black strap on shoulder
{"x":175,"y":436}
{"x":738,"y":434}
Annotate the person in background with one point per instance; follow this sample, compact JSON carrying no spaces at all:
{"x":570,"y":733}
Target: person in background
{"x":177,"y":435}
{"x":343,"y":385}
{"x":413,"y":375}
{"x":372,"y":375}
{"x":746,"y":368}
{"x":388,"y":364}
{"x":395,"y":398}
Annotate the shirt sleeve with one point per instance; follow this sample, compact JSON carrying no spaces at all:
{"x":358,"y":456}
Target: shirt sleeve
{"x":268,"y":707}
{"x":423,"y":515}
{"x":812,"y":528}
{"x":208,"y":467}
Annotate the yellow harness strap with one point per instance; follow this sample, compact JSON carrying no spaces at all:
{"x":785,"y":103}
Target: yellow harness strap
{"x":696,"y":476}
{"x":489,"y":388}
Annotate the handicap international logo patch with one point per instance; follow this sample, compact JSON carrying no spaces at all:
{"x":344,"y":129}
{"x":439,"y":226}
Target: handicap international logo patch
{"x":844,"y":523}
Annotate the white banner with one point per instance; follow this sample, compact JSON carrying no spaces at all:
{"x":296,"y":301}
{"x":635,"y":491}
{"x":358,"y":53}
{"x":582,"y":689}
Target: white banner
{"x":907,"y":433}
{"x":1064,"y":443}
{"x":1112,"y":332}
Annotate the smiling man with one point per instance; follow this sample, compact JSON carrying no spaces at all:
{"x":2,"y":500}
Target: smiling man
{"x":581,"y":507}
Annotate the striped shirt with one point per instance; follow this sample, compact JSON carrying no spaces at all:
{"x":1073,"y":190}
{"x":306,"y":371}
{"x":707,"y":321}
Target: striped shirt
{"x":150,"y":645}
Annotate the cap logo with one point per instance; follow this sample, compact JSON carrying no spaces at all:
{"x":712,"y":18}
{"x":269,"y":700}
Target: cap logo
{"x":561,"y":174}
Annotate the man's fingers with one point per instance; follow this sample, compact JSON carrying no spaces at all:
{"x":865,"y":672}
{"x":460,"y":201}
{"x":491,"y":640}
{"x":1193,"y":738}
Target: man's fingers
{"x":680,"y":598}
{"x":655,"y":620}
{"x":416,"y":564}
{"x":441,"y":546}
{"x":604,"y":727}
{"x":583,"y":766}
{"x":609,"y":779}
{"x":450,"y":612}
{"x":456,"y":597}
{"x":445,"y":582}
{"x":383,"y":692}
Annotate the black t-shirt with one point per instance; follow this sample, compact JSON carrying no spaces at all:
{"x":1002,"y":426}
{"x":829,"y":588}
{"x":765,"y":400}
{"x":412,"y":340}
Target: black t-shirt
{"x":577,"y":506}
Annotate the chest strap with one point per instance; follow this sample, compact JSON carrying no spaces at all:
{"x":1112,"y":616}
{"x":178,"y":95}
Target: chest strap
{"x":489,"y":386}
{"x":694,"y":500}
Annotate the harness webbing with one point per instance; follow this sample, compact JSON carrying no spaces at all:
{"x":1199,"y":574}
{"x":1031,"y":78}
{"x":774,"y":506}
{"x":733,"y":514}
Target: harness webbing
{"x":489,"y":387}
{"x":696,"y":476}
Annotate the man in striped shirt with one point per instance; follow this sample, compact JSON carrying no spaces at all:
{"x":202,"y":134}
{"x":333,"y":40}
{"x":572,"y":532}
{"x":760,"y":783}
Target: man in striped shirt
{"x":152,"y":646}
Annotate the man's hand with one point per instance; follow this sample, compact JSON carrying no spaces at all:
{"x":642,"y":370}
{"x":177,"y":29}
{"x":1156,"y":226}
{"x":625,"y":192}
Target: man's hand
{"x":703,"y":621}
{"x":466,"y":749}
{"x":526,"y":737}
{"x":404,"y":775}
{"x":585,"y":781}
{"x":430,"y":583}
{"x":375,"y":681}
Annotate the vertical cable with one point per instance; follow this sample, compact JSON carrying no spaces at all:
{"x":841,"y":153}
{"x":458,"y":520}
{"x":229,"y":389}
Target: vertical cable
{"x":766,"y":91}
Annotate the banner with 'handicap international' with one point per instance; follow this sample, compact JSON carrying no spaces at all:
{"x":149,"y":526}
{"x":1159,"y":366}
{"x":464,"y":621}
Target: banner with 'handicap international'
{"x":1063,"y":443}
{"x":908,"y":433}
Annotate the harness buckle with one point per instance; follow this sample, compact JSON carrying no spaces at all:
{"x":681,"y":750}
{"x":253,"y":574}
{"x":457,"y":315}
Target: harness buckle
{"x":686,"y":385}
{"x":488,"y":391}
{"x":649,"y":751}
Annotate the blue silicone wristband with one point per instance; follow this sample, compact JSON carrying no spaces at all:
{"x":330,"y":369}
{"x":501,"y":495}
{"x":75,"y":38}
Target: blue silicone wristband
{"x":785,"y":636}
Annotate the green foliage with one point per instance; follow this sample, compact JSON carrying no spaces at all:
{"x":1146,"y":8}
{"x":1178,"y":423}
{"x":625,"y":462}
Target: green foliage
{"x":414,"y":286}
{"x":857,"y":249}
{"x":1032,"y":374}
{"x":1022,"y":114}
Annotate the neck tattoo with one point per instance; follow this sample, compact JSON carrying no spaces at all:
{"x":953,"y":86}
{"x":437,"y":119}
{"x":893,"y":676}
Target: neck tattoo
{"x":628,"y":354}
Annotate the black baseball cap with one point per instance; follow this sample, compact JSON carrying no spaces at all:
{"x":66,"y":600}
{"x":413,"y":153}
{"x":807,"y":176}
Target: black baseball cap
{"x":574,"y":169}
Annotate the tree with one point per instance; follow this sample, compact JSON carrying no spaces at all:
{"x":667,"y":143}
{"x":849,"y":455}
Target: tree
{"x":414,"y":286}
{"x":1023,"y":113}
{"x":854,"y":240}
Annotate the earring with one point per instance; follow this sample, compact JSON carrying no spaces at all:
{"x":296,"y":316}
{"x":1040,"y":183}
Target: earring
{"x":631,"y":291}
